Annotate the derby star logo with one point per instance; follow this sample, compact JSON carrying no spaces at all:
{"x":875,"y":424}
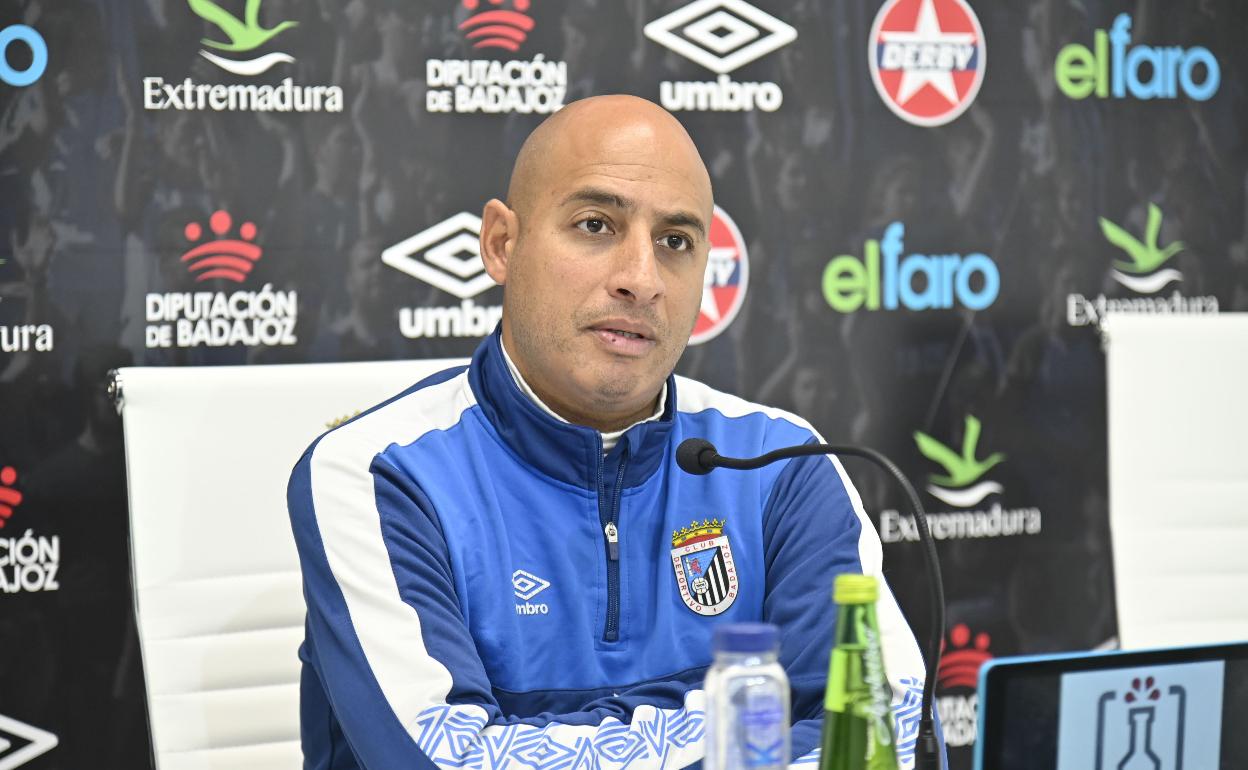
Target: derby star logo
{"x":1140,"y":274}
{"x":725,"y":281}
{"x":958,"y":487}
{"x":927,"y":59}
{"x":705,"y":573}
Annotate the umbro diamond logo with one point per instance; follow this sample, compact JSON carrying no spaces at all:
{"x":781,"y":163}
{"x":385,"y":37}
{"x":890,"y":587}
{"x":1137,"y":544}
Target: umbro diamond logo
{"x":527,"y":585}
{"x":447,"y":255}
{"x":30,"y":742}
{"x":721,"y":35}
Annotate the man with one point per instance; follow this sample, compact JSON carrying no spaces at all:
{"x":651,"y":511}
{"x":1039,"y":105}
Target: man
{"x":497,"y":562}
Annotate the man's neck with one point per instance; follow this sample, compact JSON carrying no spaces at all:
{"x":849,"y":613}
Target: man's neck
{"x":610,"y":427}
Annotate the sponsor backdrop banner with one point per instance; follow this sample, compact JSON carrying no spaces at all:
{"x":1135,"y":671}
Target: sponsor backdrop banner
{"x":925,"y":208}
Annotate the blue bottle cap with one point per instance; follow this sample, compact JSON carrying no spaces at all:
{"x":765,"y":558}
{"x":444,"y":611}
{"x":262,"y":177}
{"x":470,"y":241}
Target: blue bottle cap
{"x":745,"y":637}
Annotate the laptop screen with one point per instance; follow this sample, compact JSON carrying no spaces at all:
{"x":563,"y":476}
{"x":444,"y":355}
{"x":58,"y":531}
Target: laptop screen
{"x":1176,"y":709}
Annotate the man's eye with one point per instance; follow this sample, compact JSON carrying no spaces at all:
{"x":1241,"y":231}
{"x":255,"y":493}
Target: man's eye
{"x":592,"y":225}
{"x":676,"y":242}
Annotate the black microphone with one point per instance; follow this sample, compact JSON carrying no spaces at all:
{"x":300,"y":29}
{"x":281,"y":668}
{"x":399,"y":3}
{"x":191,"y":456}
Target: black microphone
{"x":696,"y":456}
{"x":699,"y":457}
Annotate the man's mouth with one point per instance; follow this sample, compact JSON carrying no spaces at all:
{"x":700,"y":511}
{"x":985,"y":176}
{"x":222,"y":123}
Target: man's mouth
{"x":624,"y":338}
{"x":625,"y":327}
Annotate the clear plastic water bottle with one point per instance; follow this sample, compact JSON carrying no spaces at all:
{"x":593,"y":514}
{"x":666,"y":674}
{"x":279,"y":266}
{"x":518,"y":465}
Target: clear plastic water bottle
{"x":747,"y":700}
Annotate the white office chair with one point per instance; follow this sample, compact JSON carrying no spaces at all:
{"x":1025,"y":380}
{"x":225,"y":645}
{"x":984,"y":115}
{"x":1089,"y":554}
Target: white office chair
{"x":216,"y":576}
{"x":1178,"y":477}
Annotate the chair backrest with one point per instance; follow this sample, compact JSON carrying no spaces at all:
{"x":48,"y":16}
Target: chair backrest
{"x":216,"y":577}
{"x":1178,"y":477}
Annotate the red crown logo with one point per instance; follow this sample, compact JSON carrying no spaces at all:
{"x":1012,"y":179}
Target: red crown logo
{"x":496,"y":28}
{"x":960,"y":667}
{"x":10,"y":498}
{"x":221,"y":257}
{"x":1142,"y":690}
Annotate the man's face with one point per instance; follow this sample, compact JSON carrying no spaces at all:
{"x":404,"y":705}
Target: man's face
{"x":604,"y":282}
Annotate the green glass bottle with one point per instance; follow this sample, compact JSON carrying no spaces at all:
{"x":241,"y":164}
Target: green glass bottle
{"x":857,"y":717}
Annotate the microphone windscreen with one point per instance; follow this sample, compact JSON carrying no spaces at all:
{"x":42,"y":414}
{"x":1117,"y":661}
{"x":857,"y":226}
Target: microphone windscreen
{"x":689,"y":456}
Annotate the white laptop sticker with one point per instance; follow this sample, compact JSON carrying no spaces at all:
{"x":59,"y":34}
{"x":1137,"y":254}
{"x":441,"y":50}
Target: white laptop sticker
{"x":1166,"y":717}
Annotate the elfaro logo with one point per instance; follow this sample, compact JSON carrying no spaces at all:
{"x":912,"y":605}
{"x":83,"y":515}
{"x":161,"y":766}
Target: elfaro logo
{"x":1116,"y":68}
{"x":20,"y":33}
{"x":946,"y":280}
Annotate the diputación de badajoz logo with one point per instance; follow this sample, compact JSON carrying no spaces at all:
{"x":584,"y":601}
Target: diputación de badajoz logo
{"x":964,"y":486}
{"x":962,"y":655}
{"x":226,"y":252}
{"x":1143,"y":267}
{"x":28,"y":562}
{"x":492,"y":83}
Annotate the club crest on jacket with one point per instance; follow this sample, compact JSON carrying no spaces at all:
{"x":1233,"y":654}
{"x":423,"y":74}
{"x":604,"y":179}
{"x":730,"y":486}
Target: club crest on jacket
{"x":705,"y":573}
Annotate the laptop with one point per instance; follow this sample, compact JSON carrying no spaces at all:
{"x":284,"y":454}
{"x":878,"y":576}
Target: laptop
{"x":1169,"y":709}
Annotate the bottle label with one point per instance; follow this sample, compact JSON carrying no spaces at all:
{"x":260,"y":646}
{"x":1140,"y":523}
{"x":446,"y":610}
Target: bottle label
{"x":877,"y":708}
{"x":762,"y":723}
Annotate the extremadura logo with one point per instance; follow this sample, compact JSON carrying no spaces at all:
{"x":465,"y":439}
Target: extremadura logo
{"x":1141,"y":269}
{"x":964,"y":486}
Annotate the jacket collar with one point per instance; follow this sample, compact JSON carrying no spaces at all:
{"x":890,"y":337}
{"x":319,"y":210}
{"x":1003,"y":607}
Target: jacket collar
{"x":568,"y":453}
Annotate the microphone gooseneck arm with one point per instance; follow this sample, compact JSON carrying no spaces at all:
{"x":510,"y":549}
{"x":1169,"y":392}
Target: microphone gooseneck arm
{"x":698,"y":456}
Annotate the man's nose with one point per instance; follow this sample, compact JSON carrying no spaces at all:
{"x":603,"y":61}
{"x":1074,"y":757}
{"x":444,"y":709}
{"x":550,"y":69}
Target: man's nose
{"x":636,"y":277}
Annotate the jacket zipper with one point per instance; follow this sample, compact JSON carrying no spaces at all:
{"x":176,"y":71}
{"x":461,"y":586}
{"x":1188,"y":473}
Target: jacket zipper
{"x":611,"y":534}
{"x":613,"y":541}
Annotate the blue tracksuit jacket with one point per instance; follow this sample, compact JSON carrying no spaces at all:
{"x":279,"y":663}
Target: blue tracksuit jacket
{"x":486,"y":590}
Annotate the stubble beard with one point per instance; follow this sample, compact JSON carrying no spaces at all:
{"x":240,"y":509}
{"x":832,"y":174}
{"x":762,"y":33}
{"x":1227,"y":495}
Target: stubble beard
{"x":539,"y":338}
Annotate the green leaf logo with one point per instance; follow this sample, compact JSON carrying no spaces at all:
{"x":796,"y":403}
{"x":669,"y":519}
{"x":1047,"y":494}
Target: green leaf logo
{"x":1145,"y":257}
{"x":961,"y":469}
{"x":246,"y":34}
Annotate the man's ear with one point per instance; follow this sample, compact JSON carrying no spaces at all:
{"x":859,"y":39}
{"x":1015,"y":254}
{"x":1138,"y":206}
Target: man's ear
{"x":500,"y":227}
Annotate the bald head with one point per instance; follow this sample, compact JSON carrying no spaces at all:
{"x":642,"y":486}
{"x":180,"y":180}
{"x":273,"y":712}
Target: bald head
{"x":603,"y":130}
{"x":601,"y":249}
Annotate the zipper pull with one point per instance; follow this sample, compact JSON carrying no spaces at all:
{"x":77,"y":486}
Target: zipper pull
{"x":613,"y":541}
